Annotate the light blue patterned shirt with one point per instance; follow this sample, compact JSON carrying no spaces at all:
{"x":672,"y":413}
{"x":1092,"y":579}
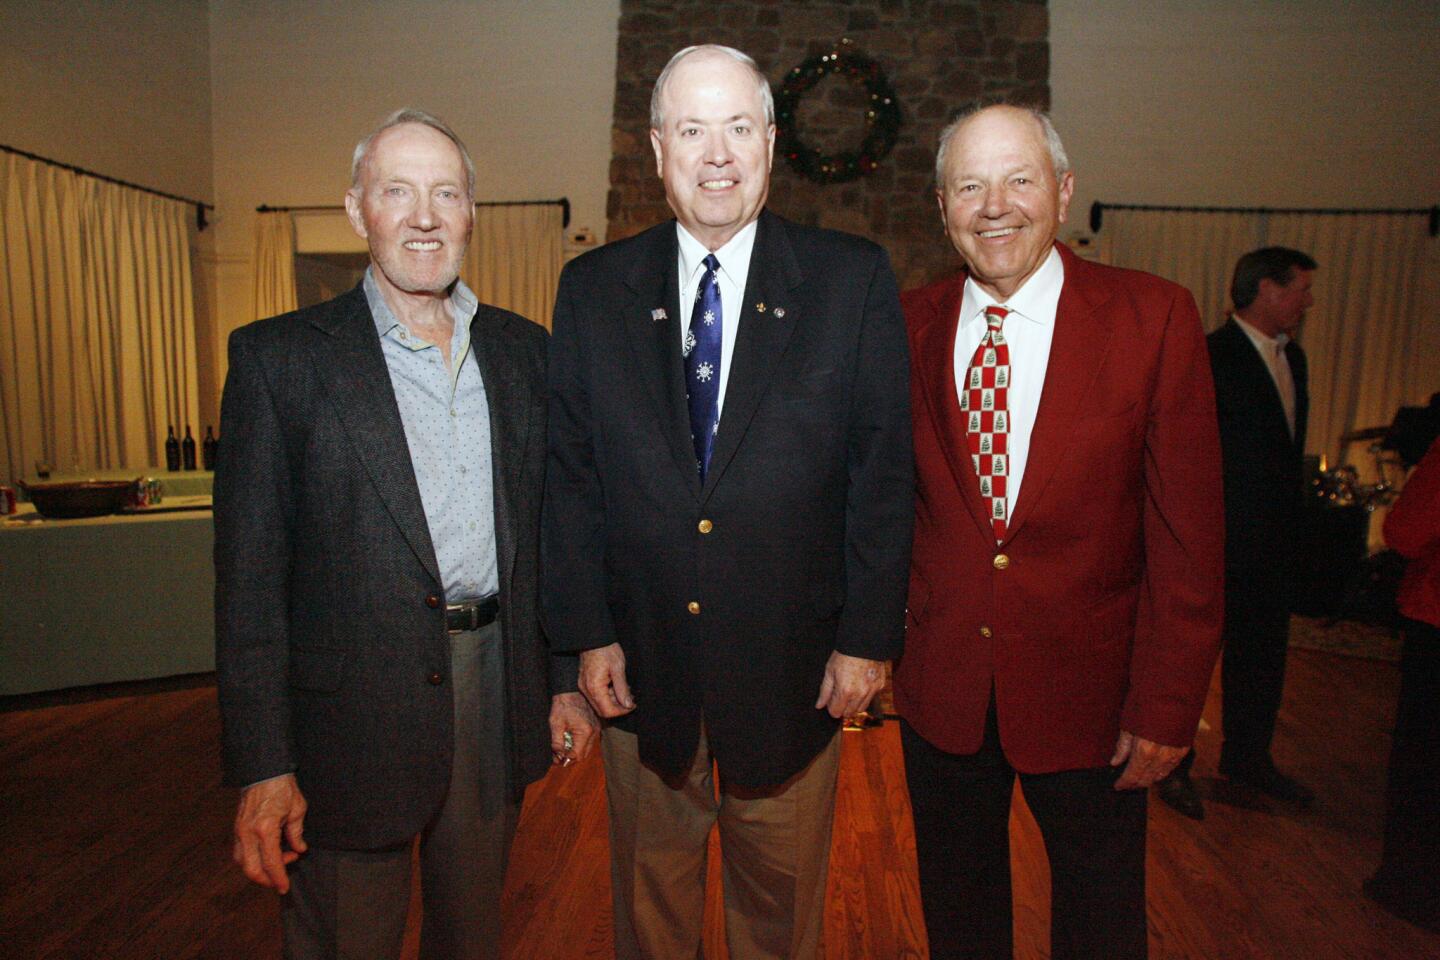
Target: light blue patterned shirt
{"x":447,"y":427}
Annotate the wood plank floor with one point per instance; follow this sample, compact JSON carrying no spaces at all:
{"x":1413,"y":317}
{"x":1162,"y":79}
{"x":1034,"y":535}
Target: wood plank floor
{"x":114,"y":829}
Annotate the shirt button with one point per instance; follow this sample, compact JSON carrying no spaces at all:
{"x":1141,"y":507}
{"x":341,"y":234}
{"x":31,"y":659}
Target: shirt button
{"x":705,"y":526}
{"x":452,"y":413}
{"x":434,"y":679}
{"x":693,"y":606}
{"x":986,"y":632}
{"x":1001,"y":562}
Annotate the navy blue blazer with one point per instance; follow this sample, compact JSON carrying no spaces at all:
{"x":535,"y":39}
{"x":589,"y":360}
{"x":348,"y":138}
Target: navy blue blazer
{"x":808,"y":498}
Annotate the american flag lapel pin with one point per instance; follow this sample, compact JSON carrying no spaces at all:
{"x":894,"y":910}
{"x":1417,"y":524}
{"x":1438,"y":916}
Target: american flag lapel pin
{"x":658,"y":314}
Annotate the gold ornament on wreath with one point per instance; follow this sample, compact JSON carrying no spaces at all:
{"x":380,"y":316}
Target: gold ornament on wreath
{"x":882,"y":116}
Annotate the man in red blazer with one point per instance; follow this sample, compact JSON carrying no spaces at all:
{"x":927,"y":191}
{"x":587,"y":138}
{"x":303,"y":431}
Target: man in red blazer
{"x":1065,"y":588}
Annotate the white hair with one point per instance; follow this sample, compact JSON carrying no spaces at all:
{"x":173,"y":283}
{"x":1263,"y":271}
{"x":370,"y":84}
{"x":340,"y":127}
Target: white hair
{"x":762,"y":85}
{"x":411,"y":115}
{"x":1058,"y":158}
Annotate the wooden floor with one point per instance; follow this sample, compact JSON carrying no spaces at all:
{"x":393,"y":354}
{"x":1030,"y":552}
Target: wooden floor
{"x":114,"y":832}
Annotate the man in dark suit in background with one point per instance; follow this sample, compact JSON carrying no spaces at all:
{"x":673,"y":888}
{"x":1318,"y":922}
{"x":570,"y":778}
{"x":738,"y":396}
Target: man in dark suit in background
{"x":1261,"y":398}
{"x":727,"y":521}
{"x":1065,"y":588}
{"x":382,"y":672}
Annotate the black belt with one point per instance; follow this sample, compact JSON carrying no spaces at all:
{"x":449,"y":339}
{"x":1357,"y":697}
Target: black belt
{"x":460,"y":617}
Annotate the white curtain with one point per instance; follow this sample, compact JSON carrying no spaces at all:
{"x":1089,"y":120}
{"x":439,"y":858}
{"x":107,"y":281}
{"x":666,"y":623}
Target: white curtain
{"x":97,"y":321}
{"x":1371,"y":338}
{"x":274,"y":263}
{"x":515,"y":257}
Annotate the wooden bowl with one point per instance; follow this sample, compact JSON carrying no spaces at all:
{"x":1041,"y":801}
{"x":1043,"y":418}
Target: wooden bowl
{"x":65,"y":500}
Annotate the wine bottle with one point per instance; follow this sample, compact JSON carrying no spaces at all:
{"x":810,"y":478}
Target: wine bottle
{"x":172,"y":452}
{"x":208,"y":449}
{"x":187,"y":447}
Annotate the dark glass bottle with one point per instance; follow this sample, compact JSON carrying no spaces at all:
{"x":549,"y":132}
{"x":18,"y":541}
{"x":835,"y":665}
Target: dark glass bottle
{"x":187,"y":448}
{"x":172,"y":452}
{"x":208,"y":447}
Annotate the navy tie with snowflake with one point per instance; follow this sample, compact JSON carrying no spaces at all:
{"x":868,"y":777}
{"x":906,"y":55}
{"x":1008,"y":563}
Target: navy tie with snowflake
{"x":702,"y":365}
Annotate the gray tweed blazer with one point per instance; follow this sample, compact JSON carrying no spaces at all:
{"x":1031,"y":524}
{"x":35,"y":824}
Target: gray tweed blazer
{"x":331,"y":650}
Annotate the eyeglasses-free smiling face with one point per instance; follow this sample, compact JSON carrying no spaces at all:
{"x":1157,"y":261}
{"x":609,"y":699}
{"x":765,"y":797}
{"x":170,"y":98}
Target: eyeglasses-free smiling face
{"x":413,"y":207}
{"x":1000,"y":199}
{"x":715,"y":149}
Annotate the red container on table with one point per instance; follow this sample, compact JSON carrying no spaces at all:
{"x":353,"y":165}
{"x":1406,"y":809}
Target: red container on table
{"x":7,"y":501}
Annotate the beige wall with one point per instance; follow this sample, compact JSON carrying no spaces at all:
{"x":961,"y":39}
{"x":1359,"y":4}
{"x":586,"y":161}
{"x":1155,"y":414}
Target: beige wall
{"x":119,"y":88}
{"x":1238,"y":102}
{"x":528,"y":84}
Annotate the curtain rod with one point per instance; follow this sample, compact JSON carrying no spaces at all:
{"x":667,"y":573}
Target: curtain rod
{"x":1097,"y":211}
{"x":563,"y":203}
{"x":200,"y":206}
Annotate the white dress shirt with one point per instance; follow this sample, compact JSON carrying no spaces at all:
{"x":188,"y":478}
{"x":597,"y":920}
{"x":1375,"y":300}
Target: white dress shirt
{"x":734,"y":260}
{"x":1272,"y":351}
{"x":1028,"y":330}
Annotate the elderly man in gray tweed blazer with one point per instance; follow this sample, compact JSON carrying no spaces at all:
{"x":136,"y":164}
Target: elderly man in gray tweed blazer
{"x":382,"y":672}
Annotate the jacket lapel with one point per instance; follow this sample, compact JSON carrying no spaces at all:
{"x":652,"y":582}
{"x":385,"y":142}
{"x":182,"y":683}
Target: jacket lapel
{"x":934,"y":364}
{"x":510,"y":400}
{"x":1077,"y":351}
{"x":760,"y":339}
{"x":351,"y":367}
{"x":655,"y":339}
{"x":1300,"y":374}
{"x":1265,"y":395}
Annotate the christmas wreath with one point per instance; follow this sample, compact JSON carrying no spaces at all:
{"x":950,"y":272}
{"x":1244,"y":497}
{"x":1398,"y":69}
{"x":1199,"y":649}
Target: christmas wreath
{"x":882,"y":117}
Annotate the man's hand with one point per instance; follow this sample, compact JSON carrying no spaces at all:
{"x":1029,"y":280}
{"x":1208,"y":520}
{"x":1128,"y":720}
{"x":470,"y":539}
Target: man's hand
{"x":602,"y":680}
{"x":850,"y":684}
{"x":570,"y":714}
{"x":266,"y":809}
{"x":1149,"y":761}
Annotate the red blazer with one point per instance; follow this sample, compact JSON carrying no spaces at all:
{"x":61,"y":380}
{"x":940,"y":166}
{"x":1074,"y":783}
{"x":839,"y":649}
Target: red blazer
{"x":1102,"y":609}
{"x":1412,"y":529}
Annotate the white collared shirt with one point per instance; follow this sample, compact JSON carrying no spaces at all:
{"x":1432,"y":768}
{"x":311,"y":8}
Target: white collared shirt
{"x":734,"y":260}
{"x":1272,"y":352}
{"x":1028,"y":330}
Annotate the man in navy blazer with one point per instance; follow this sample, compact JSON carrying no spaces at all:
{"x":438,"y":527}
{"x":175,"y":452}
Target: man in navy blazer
{"x":381,"y":669}
{"x":731,"y":563}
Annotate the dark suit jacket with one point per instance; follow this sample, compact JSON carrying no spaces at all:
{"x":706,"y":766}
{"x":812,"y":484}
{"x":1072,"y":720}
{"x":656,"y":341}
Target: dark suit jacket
{"x":328,"y":601}
{"x":809,"y":492}
{"x":1262,"y":462}
{"x":1106,"y":611}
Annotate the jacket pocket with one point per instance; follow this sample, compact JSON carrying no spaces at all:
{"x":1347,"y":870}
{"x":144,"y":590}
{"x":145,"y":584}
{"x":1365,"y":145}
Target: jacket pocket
{"x":917,"y":600}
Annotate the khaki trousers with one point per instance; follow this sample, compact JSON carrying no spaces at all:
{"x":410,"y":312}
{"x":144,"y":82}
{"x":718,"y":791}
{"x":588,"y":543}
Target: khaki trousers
{"x":775,"y":846}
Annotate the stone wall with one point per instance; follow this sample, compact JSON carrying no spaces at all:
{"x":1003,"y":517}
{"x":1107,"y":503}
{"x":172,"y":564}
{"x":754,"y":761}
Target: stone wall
{"x":937,"y":55}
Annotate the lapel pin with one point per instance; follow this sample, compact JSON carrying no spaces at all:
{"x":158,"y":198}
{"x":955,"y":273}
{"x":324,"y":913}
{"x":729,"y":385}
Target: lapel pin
{"x":780,"y":312}
{"x":760,"y":306}
{"x":658,"y":314}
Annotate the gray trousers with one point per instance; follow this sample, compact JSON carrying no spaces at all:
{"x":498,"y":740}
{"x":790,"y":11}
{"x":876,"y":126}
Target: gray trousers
{"x":352,"y":905}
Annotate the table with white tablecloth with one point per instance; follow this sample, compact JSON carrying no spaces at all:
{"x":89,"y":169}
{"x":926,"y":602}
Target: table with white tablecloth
{"x":106,"y":599}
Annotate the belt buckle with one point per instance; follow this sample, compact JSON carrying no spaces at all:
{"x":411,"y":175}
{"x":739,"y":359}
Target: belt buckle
{"x":474,"y":610}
